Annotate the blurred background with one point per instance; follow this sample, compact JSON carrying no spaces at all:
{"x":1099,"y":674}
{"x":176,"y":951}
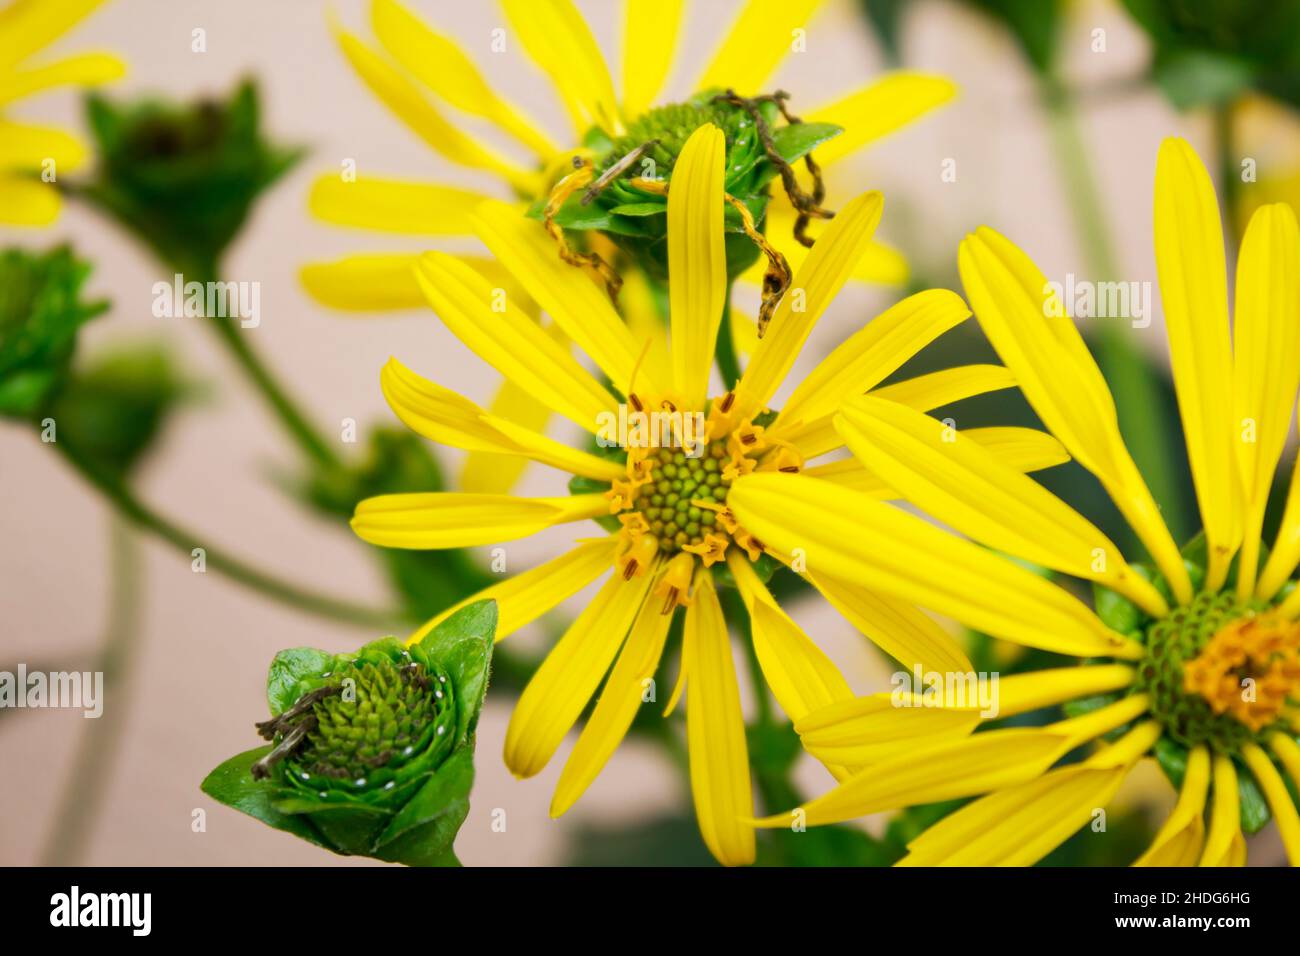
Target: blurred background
{"x":1052,"y":138}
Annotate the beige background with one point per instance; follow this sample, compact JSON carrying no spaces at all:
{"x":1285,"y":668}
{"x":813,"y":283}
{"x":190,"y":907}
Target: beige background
{"x":206,"y":642}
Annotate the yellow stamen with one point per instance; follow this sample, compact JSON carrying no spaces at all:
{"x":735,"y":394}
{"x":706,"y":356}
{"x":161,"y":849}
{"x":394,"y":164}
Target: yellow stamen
{"x":1248,"y":669}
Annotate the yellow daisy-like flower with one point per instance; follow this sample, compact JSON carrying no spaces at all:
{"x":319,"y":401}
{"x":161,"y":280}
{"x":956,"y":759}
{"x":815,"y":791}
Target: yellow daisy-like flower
{"x":419,"y":73}
{"x":667,"y":491}
{"x":1197,"y":662}
{"x":31,"y":156}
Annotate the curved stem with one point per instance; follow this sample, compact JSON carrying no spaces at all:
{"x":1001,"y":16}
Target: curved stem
{"x":1137,"y":396}
{"x":131,"y":508}
{"x":82,"y":798}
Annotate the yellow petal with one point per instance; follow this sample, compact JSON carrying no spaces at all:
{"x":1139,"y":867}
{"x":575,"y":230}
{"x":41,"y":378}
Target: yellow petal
{"x":649,"y":38}
{"x":1180,"y":840}
{"x":1278,"y":797}
{"x":367,"y":282}
{"x":393,"y":205}
{"x":556,"y":38}
{"x":759,"y":39}
{"x":800,"y":674}
{"x":715,"y":732}
{"x":1266,"y":372}
{"x":559,"y":691}
{"x":448,"y":418}
{"x":85,"y":69}
{"x":697,"y":261}
{"x":524,"y":597}
{"x":1022,"y":693}
{"x":967,"y":487}
{"x":31,"y":25}
{"x":1027,"y":325}
{"x":896,"y":627}
{"x":489,"y":473}
{"x":840,"y":533}
{"x":27,"y":147}
{"x":1020,"y":825}
{"x":623,"y":695}
{"x":440,"y":64}
{"x":871,"y":354}
{"x":447,"y":519}
{"x":1284,"y":557}
{"x":1194,"y":289}
{"x":889,"y":103}
{"x":26,"y":202}
{"x":813,"y":288}
{"x":880,"y":263}
{"x":867,"y":730}
{"x":646,"y":322}
{"x":576,"y":304}
{"x":413,"y":108}
{"x":502,"y":335}
{"x":1224,"y":844}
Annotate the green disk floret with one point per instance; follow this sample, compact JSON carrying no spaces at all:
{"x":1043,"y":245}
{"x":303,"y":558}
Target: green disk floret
{"x":671,"y":126}
{"x":676,"y":481}
{"x":1174,"y":641}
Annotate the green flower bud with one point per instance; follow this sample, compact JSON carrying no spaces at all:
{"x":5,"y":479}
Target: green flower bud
{"x":41,"y":311}
{"x":371,"y":752}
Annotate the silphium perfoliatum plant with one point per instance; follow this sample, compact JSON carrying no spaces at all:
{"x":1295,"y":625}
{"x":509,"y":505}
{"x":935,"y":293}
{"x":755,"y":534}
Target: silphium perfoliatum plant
{"x":182,"y":176}
{"x":371,"y":753}
{"x":41,"y":312}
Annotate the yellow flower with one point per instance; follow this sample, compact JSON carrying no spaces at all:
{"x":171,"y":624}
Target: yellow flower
{"x":419,"y":73}
{"x":667,"y":493}
{"x":1206,"y":670}
{"x":29,"y":154}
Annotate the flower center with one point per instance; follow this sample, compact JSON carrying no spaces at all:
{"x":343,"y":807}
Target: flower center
{"x":1220,"y":671}
{"x":670,"y":126}
{"x":677,"y":501}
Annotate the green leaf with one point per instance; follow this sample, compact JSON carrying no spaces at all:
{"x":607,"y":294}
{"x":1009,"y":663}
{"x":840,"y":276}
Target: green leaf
{"x":796,"y":140}
{"x":288,"y":669}
{"x":422,"y":832}
{"x":463,"y":644}
{"x":1254,"y":808}
{"x":232,"y":783}
{"x":1116,"y":611}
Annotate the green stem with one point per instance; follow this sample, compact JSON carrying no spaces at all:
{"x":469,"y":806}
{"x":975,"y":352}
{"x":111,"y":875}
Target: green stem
{"x":1137,"y":394}
{"x":294,"y":420}
{"x":1229,"y":168}
{"x":265,"y":583}
{"x":83,"y":794}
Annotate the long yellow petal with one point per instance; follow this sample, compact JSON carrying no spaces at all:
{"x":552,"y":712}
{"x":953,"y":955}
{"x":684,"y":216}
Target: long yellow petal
{"x":840,"y":533}
{"x":967,"y":487}
{"x":31,"y":25}
{"x":82,"y":70}
{"x":866,"y":730}
{"x":556,"y":38}
{"x":623,"y":695}
{"x":889,"y":103}
{"x":491,"y":473}
{"x":448,"y":418}
{"x":394,"y":205}
{"x":496,"y":329}
{"x":440,"y":64}
{"x":813,"y":288}
{"x":1194,"y":289}
{"x":906,"y":634}
{"x":450,"y":519}
{"x":1028,"y":326}
{"x":524,"y":597}
{"x":560,"y":690}
{"x":649,"y":38}
{"x":759,"y":39}
{"x":1020,"y":825}
{"x":1224,"y":844}
{"x":1181,"y":839}
{"x":25,"y":202}
{"x":27,"y":146}
{"x":1278,"y":797}
{"x":413,"y":108}
{"x":879,"y":264}
{"x":871,"y":354}
{"x":800,"y":674}
{"x":576,"y":304}
{"x":1266,"y":373}
{"x":1284,"y":557}
{"x":715,"y":732}
{"x":697,"y":261}
{"x":366,"y":282}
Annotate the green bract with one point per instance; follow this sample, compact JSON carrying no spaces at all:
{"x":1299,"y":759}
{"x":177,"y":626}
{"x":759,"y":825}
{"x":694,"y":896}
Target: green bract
{"x":41,"y":312}
{"x":637,"y":220}
{"x":372,"y":752}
